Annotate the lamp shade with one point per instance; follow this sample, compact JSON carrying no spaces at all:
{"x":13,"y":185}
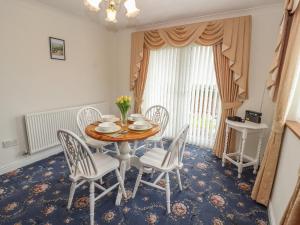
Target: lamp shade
{"x":132,"y":10}
{"x":93,"y":5}
{"x":111,"y":15}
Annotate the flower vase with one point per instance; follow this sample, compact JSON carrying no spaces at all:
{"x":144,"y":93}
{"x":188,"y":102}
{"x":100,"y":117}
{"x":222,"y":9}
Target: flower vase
{"x":124,"y":119}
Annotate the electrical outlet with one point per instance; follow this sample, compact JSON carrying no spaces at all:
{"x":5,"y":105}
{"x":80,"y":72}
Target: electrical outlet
{"x":9,"y":143}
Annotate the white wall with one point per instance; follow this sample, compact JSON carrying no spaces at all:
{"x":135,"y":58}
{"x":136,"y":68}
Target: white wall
{"x":286,"y":177}
{"x":265,"y":29}
{"x":123,"y":52}
{"x":30,"y":81}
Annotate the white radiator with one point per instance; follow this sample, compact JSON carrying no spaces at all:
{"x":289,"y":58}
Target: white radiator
{"x":42,"y":126}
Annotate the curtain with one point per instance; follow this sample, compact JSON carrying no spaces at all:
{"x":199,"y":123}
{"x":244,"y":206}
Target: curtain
{"x":228,"y":90}
{"x":183,"y":80}
{"x":273,"y":82}
{"x":234,"y":34}
{"x":292,"y":212}
{"x":140,"y":83}
{"x":137,"y":54}
{"x":263,"y":185}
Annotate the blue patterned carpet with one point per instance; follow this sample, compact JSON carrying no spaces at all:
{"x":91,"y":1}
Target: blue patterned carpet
{"x":212,"y":195}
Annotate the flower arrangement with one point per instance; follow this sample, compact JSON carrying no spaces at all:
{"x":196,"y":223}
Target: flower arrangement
{"x":124,"y":104}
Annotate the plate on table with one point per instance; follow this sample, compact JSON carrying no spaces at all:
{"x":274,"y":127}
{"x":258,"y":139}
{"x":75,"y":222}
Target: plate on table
{"x":108,"y":131}
{"x":110,"y":118}
{"x":134,"y":128}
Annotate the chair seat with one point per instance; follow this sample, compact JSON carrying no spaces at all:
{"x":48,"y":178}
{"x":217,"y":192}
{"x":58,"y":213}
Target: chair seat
{"x":154,"y":139}
{"x":154,"y":159}
{"x":104,"y":164}
{"x":91,"y":142}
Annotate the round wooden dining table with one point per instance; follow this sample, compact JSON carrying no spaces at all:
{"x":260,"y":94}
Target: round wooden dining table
{"x":123,"y":137}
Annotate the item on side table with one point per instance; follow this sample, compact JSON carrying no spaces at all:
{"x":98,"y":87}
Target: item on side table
{"x":253,"y":116}
{"x":236,"y":119}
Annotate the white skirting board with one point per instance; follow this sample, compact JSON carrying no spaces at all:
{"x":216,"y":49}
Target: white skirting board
{"x":29,"y":159}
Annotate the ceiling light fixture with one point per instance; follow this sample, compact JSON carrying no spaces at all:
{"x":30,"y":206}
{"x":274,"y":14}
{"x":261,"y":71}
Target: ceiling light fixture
{"x":132,"y":10}
{"x":93,"y":5}
{"x":112,"y":7}
{"x":111,"y":12}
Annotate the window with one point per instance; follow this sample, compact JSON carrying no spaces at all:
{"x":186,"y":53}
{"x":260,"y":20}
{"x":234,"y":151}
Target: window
{"x":183,"y":80}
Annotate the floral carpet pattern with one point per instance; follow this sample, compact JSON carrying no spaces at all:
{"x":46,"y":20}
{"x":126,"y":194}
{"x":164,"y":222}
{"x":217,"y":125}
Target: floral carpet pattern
{"x":212,"y":195}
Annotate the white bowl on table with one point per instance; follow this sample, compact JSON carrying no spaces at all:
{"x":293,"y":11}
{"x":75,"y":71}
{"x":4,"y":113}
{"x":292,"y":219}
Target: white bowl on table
{"x":140,"y":125}
{"x":109,"y":118}
{"x":107,"y":127}
{"x":136,"y":117}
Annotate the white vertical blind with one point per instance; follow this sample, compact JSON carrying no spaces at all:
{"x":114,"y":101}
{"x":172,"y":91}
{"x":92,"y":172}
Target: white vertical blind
{"x":183,"y":80}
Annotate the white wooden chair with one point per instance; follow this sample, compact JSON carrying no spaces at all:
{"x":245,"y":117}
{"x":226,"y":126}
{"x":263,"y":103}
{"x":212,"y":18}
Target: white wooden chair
{"x":86,"y":116}
{"x":160,"y":115}
{"x":87,"y":167}
{"x":164,"y":162}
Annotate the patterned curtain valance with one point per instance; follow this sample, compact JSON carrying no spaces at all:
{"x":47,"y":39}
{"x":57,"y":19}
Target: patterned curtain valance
{"x":234,"y":35}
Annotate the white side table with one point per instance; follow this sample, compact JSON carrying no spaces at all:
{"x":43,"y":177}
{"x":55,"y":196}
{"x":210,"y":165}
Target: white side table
{"x":239,"y":158}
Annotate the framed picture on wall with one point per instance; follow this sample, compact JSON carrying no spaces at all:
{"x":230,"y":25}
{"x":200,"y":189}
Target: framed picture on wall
{"x":57,"y":48}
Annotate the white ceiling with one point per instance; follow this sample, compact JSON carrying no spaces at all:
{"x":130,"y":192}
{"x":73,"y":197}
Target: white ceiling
{"x":160,"y":11}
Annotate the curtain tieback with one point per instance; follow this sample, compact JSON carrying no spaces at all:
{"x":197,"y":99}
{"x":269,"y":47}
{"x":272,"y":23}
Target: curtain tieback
{"x":231,"y":105}
{"x":277,"y":128}
{"x":138,"y":100}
